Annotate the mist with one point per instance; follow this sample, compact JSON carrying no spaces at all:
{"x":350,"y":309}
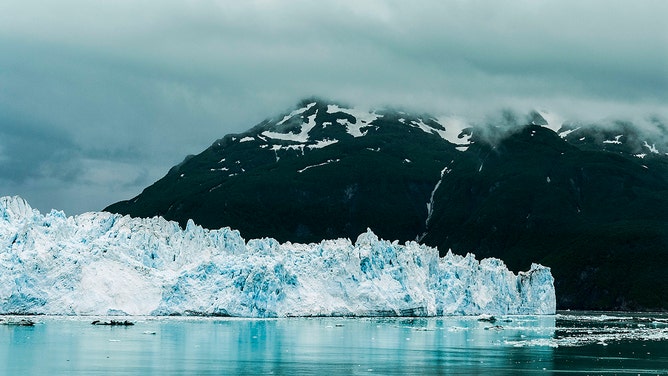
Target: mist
{"x":99,"y":99}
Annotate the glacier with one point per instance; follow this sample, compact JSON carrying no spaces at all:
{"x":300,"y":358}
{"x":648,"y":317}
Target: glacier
{"x":100,"y":263}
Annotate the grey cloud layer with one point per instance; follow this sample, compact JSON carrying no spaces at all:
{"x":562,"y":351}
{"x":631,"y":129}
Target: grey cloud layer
{"x":167,"y":78}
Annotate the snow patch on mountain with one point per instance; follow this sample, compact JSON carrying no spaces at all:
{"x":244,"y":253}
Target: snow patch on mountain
{"x":652,"y":148}
{"x":554,"y":121}
{"x":319,"y":164}
{"x":419,"y":123}
{"x":300,"y":147}
{"x":615,"y":141}
{"x":300,"y":137}
{"x":102,"y":263}
{"x":322,"y":143}
{"x":363,"y":119}
{"x":296,"y":112}
{"x":454,"y":131}
{"x":564,"y":134}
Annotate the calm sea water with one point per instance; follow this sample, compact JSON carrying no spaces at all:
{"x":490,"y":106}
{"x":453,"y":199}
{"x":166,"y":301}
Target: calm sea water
{"x":568,"y":343}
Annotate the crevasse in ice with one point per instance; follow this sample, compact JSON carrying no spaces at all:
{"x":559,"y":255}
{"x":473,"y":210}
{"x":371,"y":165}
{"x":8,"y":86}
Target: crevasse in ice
{"x":100,"y":263}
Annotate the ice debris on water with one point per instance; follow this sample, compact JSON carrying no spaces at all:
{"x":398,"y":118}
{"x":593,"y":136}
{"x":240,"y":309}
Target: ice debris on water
{"x":113,"y":323}
{"x":17,"y":322}
{"x":581,"y":329}
{"x":98,"y":262}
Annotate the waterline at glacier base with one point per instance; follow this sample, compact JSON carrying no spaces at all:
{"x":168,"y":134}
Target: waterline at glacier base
{"x":100,"y":263}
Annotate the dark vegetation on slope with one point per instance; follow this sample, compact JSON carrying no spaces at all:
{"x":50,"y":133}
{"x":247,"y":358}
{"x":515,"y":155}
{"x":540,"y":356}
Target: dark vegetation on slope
{"x":598,"y":219}
{"x":368,"y":182}
{"x":592,"y":211}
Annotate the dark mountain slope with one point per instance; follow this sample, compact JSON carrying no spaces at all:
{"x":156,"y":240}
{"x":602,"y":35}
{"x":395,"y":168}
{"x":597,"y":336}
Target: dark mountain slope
{"x":593,"y":216}
{"x":590,"y":201}
{"x":296,"y":191}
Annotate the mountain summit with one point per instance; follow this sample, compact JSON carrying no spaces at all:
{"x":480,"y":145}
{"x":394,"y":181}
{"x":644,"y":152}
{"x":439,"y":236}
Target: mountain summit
{"x":319,"y":171}
{"x":590,"y":201}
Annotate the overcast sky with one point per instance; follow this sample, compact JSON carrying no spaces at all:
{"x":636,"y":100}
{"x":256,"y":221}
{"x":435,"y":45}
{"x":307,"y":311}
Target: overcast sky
{"x":98,"y":99}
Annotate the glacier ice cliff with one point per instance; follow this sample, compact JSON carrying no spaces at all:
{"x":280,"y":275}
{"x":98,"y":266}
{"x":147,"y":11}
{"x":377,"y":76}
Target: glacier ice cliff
{"x":100,"y":263}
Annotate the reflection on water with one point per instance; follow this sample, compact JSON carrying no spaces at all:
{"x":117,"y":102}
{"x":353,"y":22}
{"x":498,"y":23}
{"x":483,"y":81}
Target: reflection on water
{"x":453,"y":345}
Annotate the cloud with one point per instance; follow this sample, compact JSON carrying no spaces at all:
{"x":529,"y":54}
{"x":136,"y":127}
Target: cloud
{"x":36,"y":158}
{"x":143,"y":83}
{"x":26,"y":148}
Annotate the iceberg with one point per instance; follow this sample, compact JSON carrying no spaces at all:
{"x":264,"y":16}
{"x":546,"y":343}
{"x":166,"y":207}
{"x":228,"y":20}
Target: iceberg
{"x":100,"y":263}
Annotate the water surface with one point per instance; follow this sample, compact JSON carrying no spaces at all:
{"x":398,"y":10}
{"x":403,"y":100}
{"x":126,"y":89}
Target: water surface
{"x":569,"y":343}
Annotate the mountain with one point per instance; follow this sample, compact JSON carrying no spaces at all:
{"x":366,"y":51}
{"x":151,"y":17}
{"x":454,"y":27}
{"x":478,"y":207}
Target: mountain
{"x":108,"y":264}
{"x":319,"y":172}
{"x":588,"y":200}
